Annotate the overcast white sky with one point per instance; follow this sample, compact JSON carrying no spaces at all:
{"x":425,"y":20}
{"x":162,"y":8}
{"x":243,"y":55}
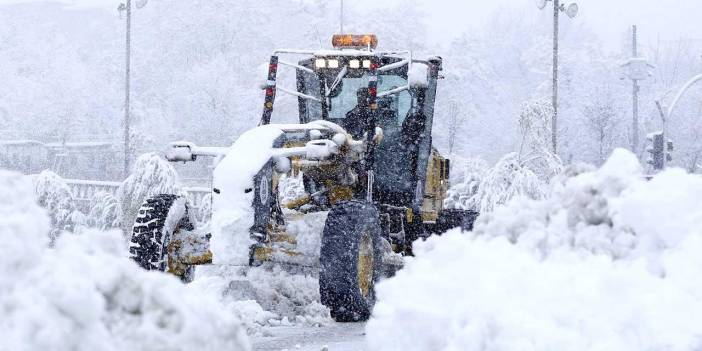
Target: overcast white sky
{"x":609,"y":19}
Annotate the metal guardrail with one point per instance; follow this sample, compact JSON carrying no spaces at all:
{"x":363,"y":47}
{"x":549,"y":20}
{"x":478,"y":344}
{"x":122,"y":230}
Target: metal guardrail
{"x":84,"y":190}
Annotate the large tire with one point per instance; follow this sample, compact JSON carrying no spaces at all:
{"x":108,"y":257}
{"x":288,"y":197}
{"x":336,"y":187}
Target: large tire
{"x":153,"y":230}
{"x":350,"y":260}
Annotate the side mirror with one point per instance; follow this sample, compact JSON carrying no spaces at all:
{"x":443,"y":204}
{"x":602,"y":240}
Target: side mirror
{"x":180,"y":151}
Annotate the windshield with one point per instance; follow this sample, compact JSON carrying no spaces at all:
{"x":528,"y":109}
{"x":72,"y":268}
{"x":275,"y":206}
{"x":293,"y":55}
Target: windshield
{"x":343,"y":99}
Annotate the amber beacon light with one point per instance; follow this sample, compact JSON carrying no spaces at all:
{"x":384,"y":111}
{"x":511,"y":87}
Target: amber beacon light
{"x":353,"y":41}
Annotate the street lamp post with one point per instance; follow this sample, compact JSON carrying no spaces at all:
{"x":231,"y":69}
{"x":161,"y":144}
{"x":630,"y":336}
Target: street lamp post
{"x":571,"y":10}
{"x":127,"y":83}
{"x":665,"y":115}
{"x":127,"y":8}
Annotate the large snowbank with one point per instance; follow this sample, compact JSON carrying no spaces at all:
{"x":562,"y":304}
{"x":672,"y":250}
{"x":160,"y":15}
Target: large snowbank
{"x":606,"y":261}
{"x":85,"y":294}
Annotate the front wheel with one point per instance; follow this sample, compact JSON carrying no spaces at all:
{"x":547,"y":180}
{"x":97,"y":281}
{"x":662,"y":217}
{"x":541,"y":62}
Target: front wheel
{"x":159,"y":219}
{"x":350,"y":260}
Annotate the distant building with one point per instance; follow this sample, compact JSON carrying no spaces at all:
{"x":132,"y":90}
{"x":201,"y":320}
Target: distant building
{"x":80,"y":160}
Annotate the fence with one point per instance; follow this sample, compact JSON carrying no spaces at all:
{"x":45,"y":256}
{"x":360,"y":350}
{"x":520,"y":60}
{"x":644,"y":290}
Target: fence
{"x":84,"y":190}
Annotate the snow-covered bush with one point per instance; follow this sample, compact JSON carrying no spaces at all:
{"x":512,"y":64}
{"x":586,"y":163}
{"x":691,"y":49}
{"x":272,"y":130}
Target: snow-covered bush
{"x":606,"y":261}
{"x":204,"y":212}
{"x":105,"y":211}
{"x":85,"y":294}
{"x":461,"y":193}
{"x":151,"y":176}
{"x":506,"y":180}
{"x":55,"y":196}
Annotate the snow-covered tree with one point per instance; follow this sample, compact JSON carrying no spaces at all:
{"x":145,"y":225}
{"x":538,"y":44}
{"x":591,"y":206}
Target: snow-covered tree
{"x":463,"y":189}
{"x":105,"y":211}
{"x":601,"y":119}
{"x":455,"y":124}
{"x":150,"y":176}
{"x":535,"y":149}
{"x":55,"y":196}
{"x":508,"y":179}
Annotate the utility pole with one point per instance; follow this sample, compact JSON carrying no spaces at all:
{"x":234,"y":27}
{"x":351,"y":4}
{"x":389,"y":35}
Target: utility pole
{"x":635,"y":107}
{"x":127,"y":85}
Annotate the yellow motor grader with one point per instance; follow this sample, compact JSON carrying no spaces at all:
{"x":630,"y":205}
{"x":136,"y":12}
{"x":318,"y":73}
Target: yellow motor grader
{"x":372,"y":181}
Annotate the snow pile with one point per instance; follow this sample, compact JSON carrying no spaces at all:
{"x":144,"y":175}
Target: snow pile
{"x":232,"y":211}
{"x":55,"y":196}
{"x":607,"y":261}
{"x":84,"y":294}
{"x":23,"y":227}
{"x":264,"y":296}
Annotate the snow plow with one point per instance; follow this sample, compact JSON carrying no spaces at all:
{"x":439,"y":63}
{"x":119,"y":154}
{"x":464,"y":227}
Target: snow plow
{"x":373,"y":183}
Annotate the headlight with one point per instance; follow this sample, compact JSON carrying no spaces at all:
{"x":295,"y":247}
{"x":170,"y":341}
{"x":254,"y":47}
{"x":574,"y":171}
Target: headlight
{"x":366,"y":63}
{"x":320,"y":63}
{"x":333,"y":63}
{"x":354,"y":63}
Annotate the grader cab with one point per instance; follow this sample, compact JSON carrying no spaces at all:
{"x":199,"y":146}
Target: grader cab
{"x":372,"y":181}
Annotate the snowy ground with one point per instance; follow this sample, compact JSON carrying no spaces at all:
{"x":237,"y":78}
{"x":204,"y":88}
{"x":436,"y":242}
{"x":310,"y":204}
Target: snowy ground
{"x":280,"y":309}
{"x":333,"y":337}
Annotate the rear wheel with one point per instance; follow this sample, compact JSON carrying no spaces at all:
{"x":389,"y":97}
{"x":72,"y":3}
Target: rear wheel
{"x":350,"y":261}
{"x":159,"y":219}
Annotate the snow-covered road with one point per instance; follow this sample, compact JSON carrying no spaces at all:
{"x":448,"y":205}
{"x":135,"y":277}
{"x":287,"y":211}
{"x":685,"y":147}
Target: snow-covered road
{"x":335,"y":337}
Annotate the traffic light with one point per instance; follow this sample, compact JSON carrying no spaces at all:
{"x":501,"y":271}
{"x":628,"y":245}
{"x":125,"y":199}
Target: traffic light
{"x":658,"y":150}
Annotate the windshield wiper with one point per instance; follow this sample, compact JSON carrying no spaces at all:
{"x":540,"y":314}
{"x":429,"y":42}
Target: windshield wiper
{"x":338,"y":79}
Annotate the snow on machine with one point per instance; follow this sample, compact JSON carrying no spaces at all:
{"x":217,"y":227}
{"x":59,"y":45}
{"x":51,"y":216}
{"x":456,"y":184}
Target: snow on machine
{"x":373,"y":183}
